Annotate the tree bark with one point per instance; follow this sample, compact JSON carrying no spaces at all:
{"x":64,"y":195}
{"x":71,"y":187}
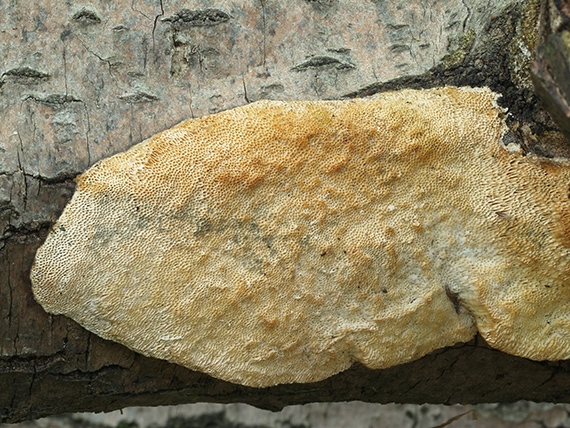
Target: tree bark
{"x":82,"y":83}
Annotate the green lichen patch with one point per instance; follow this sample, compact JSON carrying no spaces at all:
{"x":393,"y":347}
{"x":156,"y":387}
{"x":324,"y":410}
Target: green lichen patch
{"x":456,"y":57}
{"x":523,"y":45}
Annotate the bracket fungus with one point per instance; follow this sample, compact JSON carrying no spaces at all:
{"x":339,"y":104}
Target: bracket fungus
{"x":280,"y":242}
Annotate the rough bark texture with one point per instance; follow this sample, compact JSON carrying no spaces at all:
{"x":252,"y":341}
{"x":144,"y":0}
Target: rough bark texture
{"x":82,"y":81}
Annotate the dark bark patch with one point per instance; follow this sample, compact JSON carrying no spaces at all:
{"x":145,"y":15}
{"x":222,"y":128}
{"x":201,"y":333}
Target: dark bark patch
{"x":86,"y":17}
{"x":322,"y":62}
{"x":53,"y":100}
{"x":24,"y":75}
{"x":198,"y":18}
{"x":138,"y":97}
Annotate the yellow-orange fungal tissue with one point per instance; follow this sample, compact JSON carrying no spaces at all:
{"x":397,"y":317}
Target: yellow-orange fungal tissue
{"x":280,"y":242}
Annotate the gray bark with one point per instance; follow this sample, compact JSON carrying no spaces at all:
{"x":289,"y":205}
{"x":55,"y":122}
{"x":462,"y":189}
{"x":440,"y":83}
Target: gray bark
{"x":80,"y":82}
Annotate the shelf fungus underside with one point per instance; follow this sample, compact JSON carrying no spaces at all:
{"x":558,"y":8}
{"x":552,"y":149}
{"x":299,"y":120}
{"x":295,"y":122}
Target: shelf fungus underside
{"x":280,"y":242}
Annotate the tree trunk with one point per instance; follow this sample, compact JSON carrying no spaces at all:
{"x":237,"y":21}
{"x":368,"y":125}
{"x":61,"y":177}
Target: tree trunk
{"x":82,"y":83}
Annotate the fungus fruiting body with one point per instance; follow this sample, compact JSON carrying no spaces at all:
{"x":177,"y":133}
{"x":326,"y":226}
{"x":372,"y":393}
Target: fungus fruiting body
{"x":280,"y":242}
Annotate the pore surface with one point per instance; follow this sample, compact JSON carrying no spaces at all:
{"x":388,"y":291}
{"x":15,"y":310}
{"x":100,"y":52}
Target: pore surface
{"x":282,"y":241}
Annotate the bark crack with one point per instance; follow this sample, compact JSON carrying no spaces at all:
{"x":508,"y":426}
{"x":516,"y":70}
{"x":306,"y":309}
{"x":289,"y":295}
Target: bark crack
{"x":99,"y":57}
{"x":139,"y":11}
{"x":468,"y":14}
{"x":65,"y":68}
{"x":156,"y":18}
{"x":87,"y":132}
{"x":88,"y":376}
{"x":552,"y":375}
{"x":12,"y":404}
{"x":30,"y":389}
{"x":10,"y":297}
{"x":22,"y":170}
{"x":245,"y":96}
{"x":58,"y":179}
{"x":264,"y":35}
{"x":15,"y":341}
{"x":31,"y":364}
{"x":88,"y":349}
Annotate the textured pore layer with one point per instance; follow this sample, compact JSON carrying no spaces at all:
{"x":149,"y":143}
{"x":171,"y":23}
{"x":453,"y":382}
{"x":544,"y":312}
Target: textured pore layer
{"x":282,"y":241}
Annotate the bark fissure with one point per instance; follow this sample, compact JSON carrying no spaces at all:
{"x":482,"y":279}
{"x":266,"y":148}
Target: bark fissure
{"x":156,"y":18}
{"x":87,"y":134}
{"x":263,"y":35}
{"x":21,"y":168}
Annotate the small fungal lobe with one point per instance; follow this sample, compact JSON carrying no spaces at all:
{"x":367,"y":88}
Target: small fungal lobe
{"x":280,"y":242}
